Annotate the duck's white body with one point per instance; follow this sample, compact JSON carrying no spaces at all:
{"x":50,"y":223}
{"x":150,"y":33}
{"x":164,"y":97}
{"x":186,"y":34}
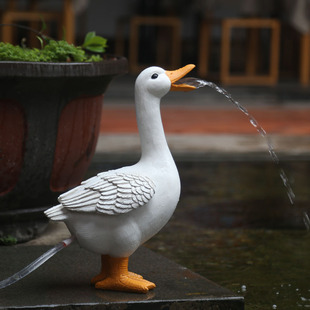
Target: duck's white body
{"x":121,"y":234}
{"x":115,"y":212}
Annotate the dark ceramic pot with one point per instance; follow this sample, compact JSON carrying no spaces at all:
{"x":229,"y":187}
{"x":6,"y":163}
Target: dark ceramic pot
{"x":49,"y":125}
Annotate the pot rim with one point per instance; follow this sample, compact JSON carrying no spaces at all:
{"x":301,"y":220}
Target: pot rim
{"x":112,"y":65}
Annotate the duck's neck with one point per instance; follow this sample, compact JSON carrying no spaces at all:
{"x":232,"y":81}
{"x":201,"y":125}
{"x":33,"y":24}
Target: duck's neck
{"x":154,"y":146}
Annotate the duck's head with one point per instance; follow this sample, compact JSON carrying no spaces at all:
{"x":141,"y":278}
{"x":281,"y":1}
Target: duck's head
{"x":157,"y":81}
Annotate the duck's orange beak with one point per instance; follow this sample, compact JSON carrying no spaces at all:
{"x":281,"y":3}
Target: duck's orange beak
{"x":176,"y":75}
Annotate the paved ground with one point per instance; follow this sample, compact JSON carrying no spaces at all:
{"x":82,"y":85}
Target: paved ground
{"x":205,"y":121}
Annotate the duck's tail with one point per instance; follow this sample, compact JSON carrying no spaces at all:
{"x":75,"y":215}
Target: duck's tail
{"x":36,"y":263}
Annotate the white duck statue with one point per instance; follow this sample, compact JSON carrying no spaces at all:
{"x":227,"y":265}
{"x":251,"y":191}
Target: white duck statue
{"x":115,"y":212}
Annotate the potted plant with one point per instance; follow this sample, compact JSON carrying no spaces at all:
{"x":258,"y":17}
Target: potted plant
{"x":50,"y":109}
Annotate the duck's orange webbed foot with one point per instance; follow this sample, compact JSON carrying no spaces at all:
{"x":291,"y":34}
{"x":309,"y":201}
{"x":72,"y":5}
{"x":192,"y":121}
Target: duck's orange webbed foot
{"x":125,"y":284}
{"x":117,"y":278}
{"x":105,"y":266}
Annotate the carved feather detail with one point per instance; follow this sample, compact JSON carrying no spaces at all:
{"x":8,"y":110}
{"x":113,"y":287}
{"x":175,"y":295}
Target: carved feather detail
{"x":109,"y":193}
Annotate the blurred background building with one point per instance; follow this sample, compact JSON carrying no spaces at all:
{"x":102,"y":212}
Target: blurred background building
{"x":243,"y":42}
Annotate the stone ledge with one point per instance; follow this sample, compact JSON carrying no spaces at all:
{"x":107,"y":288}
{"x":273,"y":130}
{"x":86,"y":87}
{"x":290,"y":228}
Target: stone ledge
{"x":63,"y":283}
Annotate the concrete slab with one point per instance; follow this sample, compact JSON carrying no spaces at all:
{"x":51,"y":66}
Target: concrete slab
{"x":63,"y":283}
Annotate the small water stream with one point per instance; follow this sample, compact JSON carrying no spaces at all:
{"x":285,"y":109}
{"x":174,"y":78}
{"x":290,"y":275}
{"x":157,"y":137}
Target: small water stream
{"x":198,"y":83}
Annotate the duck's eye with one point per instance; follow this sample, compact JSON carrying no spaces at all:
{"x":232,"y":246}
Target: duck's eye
{"x":154,"y":76}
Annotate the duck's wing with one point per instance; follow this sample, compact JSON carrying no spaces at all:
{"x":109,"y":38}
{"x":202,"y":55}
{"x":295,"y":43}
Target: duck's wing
{"x":109,"y":193}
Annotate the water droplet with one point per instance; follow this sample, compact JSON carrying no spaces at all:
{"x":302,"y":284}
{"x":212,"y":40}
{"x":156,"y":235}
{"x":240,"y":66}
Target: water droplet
{"x":243,"y":288}
{"x":243,"y":109}
{"x":274,"y":307}
{"x":307,"y":222}
{"x":253,"y":122}
{"x":286,"y":183}
{"x":262,"y":132}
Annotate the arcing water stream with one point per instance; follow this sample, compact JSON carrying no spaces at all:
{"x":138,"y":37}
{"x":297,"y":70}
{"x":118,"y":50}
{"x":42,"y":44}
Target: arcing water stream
{"x":198,"y":83}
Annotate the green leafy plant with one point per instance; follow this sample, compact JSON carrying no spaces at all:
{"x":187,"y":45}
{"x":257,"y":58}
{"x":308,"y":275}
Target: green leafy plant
{"x":56,"y":51}
{"x":94,"y":43}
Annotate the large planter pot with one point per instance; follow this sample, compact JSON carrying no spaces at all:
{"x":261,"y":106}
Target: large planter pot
{"x":49,"y":125}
